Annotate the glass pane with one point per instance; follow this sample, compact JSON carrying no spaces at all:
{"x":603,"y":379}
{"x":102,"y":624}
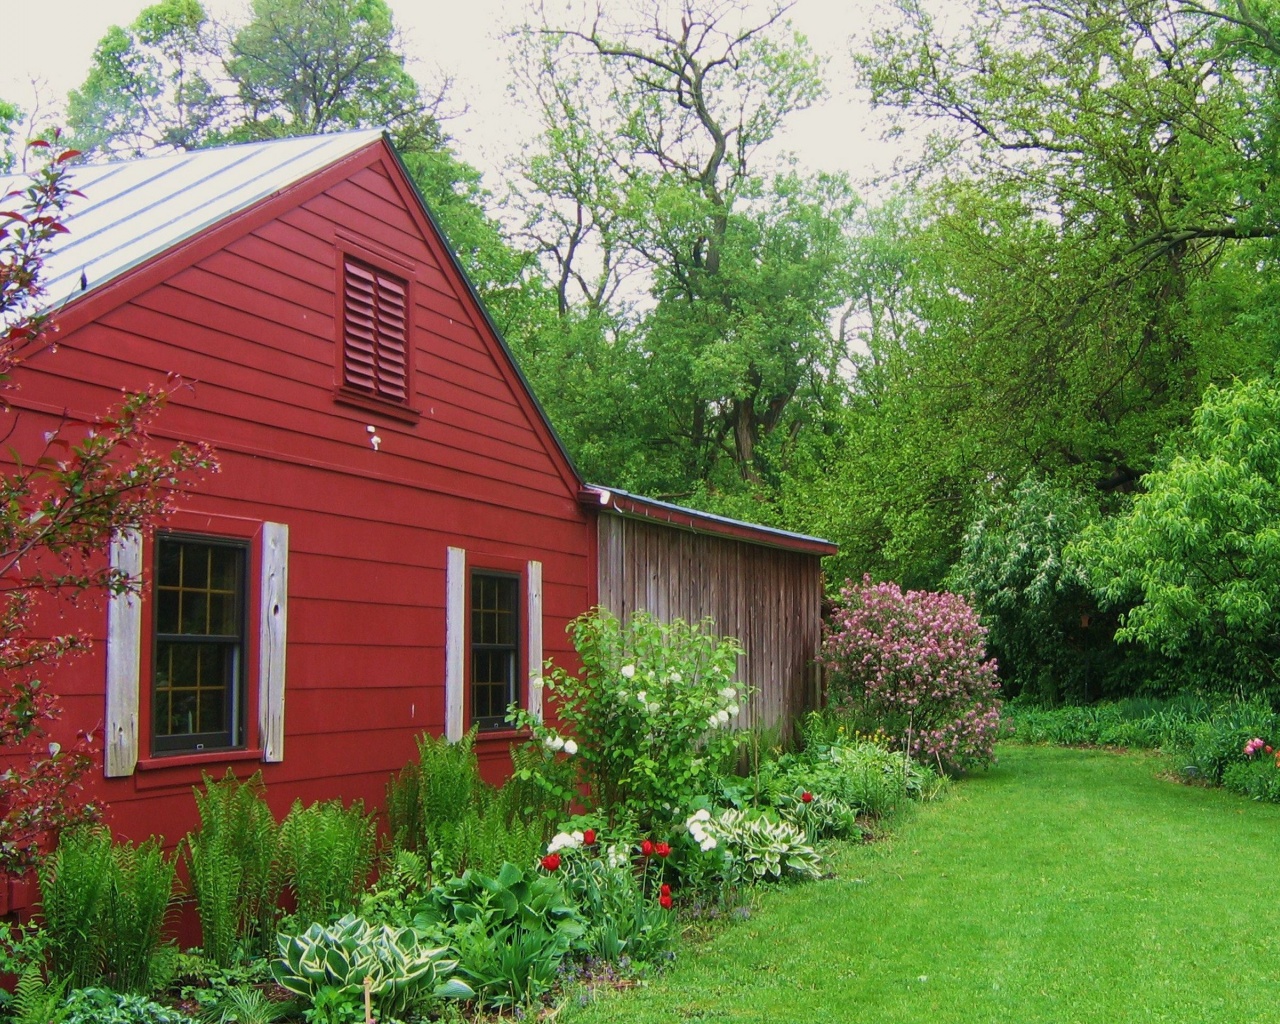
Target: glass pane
{"x":212,"y":711}
{"x":166,"y":611}
{"x":195,"y":564}
{"x":169,"y":563}
{"x":195,"y":612}
{"x":222,"y":615}
{"x":225,"y":569}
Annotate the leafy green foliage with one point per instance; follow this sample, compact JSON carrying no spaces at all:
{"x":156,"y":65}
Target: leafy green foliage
{"x":1198,"y":554}
{"x":511,"y":930}
{"x":646,"y":715}
{"x":37,"y":1002}
{"x":328,"y":852}
{"x":1042,"y":627}
{"x":235,"y":866}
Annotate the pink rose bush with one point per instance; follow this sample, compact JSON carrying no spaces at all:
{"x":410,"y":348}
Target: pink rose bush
{"x":915,"y":662}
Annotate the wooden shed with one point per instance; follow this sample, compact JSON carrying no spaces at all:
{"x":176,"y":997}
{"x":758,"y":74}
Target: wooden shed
{"x":761,"y":585}
{"x":396,"y":539}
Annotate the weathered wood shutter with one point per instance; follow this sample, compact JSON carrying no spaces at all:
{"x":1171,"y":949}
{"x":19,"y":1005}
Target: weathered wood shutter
{"x":533,"y":633}
{"x":374,"y":331}
{"x":124,"y":660}
{"x":455,"y":633}
{"x":272,"y":630}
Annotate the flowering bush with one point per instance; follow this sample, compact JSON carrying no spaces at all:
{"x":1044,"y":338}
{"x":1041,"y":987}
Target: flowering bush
{"x":914,"y":662}
{"x":648,"y":714}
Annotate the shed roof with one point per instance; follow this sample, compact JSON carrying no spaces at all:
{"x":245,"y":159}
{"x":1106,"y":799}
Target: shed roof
{"x":138,"y":209}
{"x":609,"y":499}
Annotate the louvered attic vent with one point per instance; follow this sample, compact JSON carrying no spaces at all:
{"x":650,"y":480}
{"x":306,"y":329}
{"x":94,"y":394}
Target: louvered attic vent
{"x":375,"y":332}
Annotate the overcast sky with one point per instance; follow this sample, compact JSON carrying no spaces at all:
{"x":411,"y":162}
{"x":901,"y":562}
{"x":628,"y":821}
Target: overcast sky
{"x":463,"y":39}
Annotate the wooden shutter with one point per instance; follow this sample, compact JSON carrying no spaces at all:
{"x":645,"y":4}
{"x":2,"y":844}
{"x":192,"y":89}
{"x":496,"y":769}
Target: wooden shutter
{"x":455,"y":635}
{"x":124,"y":660}
{"x":272,"y":630}
{"x":374,"y":331}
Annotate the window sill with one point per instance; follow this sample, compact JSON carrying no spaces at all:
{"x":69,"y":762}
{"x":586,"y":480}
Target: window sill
{"x":383,"y":407}
{"x":182,"y":771}
{"x":503,"y":735}
{"x":150,"y":764}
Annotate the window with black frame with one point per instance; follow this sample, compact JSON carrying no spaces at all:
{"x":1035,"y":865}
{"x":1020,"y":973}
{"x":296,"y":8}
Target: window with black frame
{"x":495,"y":639}
{"x":198,"y":679}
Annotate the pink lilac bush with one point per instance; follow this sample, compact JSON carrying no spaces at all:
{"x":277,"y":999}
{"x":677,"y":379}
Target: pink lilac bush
{"x":915,"y":662}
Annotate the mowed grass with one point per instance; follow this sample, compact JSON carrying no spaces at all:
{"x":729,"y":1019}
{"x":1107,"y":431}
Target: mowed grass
{"x":1062,"y":886}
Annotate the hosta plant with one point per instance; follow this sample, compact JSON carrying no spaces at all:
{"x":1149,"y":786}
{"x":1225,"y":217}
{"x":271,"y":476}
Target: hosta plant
{"x":336,"y":960}
{"x":758,"y":849}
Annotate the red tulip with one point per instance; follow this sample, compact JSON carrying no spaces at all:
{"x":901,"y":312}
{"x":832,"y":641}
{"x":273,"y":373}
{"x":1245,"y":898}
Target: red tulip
{"x":551,"y":861}
{"x":665,"y":890}
{"x":589,"y":836}
{"x":662,"y":850}
{"x":664,"y":902}
{"x":806,"y":797}
{"x":646,"y":848}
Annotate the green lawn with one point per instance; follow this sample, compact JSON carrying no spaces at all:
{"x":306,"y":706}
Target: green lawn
{"x":1063,"y":886}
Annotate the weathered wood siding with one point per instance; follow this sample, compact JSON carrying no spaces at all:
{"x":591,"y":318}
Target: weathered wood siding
{"x":770,"y":599}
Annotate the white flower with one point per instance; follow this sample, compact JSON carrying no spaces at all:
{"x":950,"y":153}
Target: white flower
{"x":676,"y":677}
{"x":653,"y":708}
{"x":722,"y":716}
{"x":553,"y":742}
{"x":570,"y":747}
{"x":708,"y":844}
{"x":732,"y":709}
{"x":642,"y":697}
{"x":702,"y":814}
{"x":564,"y":841}
{"x":616,"y":857}
{"x":537,"y":682}
{"x":622,"y":695}
{"x":713,"y":722}
{"x":578,"y":838}
{"x":729,"y":693}
{"x":628,"y":671}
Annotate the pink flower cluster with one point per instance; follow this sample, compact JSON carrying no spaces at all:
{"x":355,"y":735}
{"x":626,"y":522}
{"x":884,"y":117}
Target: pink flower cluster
{"x":1254,"y":745}
{"x":917,"y":660}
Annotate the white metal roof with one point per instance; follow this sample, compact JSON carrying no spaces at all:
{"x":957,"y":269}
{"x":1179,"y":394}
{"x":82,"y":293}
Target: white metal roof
{"x":135,"y":209}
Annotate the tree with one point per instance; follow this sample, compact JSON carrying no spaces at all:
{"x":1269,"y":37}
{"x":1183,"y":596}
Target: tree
{"x":1198,"y":555}
{"x":151,"y":85}
{"x":58,"y":510}
{"x":303,"y":67}
{"x":714,"y":278}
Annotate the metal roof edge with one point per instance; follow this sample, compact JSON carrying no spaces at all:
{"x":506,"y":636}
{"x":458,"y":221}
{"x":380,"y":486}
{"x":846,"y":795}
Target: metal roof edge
{"x":623,"y":503}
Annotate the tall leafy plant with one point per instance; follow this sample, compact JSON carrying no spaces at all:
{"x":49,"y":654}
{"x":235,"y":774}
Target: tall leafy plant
{"x":234,"y":863}
{"x":646,"y":718}
{"x":328,"y":853}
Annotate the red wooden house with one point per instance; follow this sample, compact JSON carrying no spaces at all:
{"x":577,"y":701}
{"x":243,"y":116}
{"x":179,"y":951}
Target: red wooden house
{"x":396,"y":538}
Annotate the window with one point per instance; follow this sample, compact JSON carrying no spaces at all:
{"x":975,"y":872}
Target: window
{"x":374,"y":332}
{"x":495,"y":645}
{"x":196,"y":662}
{"x":198,"y":679}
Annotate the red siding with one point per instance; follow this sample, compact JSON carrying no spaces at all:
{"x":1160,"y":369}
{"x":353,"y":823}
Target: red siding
{"x":253,"y":325}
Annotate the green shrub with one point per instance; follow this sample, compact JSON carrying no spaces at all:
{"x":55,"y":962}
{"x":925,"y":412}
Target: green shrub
{"x":233,"y":861}
{"x":1258,"y":778}
{"x":73,"y":890}
{"x":328,"y":852}
{"x":433,"y":792}
{"x":646,"y":718}
{"x":137,"y":959}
